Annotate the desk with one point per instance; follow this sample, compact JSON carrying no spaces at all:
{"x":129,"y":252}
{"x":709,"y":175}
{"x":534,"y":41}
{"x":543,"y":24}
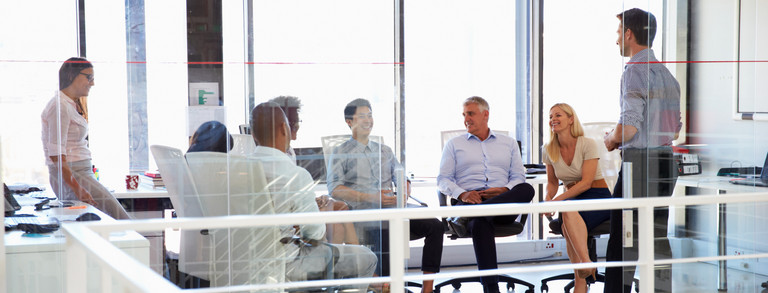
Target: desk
{"x":147,"y":203}
{"x":38,"y":264}
{"x":721,"y":186}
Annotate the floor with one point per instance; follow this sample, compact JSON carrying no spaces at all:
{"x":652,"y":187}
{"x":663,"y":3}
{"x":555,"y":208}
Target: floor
{"x":696,"y":277}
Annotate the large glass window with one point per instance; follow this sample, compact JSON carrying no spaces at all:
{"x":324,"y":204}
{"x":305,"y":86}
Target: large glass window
{"x":448,"y":61}
{"x":164,"y":68}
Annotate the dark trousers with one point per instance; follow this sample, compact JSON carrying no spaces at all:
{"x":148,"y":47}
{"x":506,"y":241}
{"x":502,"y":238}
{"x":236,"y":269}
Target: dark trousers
{"x":483,"y":232}
{"x":429,"y":229}
{"x":654,"y":175}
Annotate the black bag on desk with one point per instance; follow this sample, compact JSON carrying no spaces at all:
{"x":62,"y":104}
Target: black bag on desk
{"x":654,"y":172}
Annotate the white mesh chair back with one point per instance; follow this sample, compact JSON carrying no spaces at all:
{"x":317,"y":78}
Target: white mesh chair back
{"x":242,"y":144}
{"x":193,"y":252}
{"x":332,"y":141}
{"x":610,"y":162}
{"x":235,"y":185}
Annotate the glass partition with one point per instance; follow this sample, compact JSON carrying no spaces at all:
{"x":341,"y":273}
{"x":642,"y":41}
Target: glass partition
{"x":366,"y":97}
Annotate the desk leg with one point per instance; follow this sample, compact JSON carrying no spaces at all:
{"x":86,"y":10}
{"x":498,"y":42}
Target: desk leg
{"x":722,"y":266}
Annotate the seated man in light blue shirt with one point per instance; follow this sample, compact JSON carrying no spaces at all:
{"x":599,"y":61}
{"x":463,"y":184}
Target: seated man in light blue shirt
{"x":482,"y":167}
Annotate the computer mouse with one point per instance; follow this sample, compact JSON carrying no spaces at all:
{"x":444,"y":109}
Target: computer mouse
{"x":88,"y":217}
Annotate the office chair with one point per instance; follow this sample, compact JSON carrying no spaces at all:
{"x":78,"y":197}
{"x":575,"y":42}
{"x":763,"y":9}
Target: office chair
{"x":330,"y":142}
{"x":499,"y":230}
{"x":235,"y":185}
{"x":505,"y":230}
{"x":193,"y":256}
{"x":610,"y":162}
{"x":604,"y":228}
{"x":242,"y":144}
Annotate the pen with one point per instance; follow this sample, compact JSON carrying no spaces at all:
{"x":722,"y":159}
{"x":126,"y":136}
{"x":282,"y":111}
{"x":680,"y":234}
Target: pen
{"x":76,"y":207}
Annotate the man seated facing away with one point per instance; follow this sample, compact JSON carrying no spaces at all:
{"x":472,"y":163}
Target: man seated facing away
{"x":291,"y":187}
{"x":362,"y":173}
{"x":482,"y":167}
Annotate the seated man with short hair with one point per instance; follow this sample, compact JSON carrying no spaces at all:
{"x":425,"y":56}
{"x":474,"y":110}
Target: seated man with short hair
{"x":362,"y":172}
{"x":483,"y":167}
{"x":291,"y":188}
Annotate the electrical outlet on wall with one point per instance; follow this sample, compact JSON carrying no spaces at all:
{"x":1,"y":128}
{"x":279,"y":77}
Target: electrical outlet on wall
{"x":547,"y":245}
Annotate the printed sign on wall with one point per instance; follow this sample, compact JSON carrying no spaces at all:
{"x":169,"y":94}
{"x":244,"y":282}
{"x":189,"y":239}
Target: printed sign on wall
{"x":204,"y":94}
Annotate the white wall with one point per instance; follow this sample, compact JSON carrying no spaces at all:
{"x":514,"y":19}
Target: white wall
{"x":724,"y":141}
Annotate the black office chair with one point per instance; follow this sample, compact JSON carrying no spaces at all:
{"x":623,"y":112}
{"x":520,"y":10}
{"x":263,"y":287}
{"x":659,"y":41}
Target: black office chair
{"x":499,"y":231}
{"x":604,"y":228}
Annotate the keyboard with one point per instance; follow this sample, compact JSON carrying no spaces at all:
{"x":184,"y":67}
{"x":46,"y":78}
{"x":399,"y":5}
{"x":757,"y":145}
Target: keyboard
{"x":32,"y":224}
{"x":15,"y":221}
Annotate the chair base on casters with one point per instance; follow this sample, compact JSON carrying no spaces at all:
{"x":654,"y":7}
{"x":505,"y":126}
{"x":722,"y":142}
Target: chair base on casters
{"x":456,"y":283}
{"x":544,"y":288}
{"x":599,"y":278}
{"x":411,"y":284}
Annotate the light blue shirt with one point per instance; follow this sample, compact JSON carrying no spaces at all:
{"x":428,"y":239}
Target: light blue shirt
{"x":650,"y":101}
{"x":471,"y":164}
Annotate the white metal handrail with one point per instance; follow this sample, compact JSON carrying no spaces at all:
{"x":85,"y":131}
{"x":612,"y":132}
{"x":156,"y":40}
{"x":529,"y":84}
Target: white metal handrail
{"x":80,"y":240}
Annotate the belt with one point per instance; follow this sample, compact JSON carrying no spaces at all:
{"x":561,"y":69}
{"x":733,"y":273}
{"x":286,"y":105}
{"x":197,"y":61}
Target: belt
{"x":599,"y":183}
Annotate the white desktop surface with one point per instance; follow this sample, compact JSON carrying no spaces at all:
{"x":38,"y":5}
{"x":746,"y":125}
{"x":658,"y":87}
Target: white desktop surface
{"x":141,"y":192}
{"x":716,"y":182}
{"x":37,"y":264}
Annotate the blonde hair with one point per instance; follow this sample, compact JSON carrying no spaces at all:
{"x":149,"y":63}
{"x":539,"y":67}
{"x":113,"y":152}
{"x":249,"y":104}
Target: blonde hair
{"x":553,"y":146}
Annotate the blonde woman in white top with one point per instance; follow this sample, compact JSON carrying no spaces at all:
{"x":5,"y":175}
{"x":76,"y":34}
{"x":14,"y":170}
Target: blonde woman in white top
{"x":572,"y":158}
{"x":65,"y":129}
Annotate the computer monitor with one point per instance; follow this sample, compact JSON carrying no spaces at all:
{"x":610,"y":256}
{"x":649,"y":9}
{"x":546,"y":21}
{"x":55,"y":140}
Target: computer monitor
{"x":761,"y":181}
{"x":313,"y":161}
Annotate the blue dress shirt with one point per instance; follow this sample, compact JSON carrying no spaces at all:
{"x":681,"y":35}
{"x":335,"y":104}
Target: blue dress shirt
{"x":650,"y":101}
{"x":471,"y":164}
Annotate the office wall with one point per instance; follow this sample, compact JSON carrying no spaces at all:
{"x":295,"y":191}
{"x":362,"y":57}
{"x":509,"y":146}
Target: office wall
{"x":718,"y":138}
{"x":712,"y":87}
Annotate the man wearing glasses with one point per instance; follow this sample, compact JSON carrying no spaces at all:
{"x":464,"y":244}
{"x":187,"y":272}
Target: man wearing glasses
{"x":291,"y":106}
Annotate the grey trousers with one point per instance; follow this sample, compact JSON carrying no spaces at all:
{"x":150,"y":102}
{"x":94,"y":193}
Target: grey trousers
{"x":317,"y":263}
{"x":83,"y":173}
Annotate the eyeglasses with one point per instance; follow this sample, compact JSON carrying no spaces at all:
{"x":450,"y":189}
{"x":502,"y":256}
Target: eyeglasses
{"x":88,"y":76}
{"x":364,"y":116}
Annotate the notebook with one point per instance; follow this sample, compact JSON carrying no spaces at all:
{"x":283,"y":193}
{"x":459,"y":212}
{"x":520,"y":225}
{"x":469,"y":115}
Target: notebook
{"x":756,"y":181}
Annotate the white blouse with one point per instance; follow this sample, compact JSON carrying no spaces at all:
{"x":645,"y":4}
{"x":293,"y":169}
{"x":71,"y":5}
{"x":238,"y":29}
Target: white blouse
{"x":586,"y":149}
{"x":65,"y":138}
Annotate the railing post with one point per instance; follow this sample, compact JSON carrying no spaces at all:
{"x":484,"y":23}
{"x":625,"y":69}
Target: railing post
{"x":397,"y":255}
{"x":76,"y":279}
{"x":645,"y":248}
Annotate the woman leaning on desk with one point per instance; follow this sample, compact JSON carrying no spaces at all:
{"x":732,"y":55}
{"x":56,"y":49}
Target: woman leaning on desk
{"x":65,"y":132}
{"x":572,"y":158}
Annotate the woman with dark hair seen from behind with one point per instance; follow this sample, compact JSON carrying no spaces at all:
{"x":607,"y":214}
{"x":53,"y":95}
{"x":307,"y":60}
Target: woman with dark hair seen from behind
{"x":572,"y":158}
{"x":65,"y":132}
{"x":211,"y":136}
